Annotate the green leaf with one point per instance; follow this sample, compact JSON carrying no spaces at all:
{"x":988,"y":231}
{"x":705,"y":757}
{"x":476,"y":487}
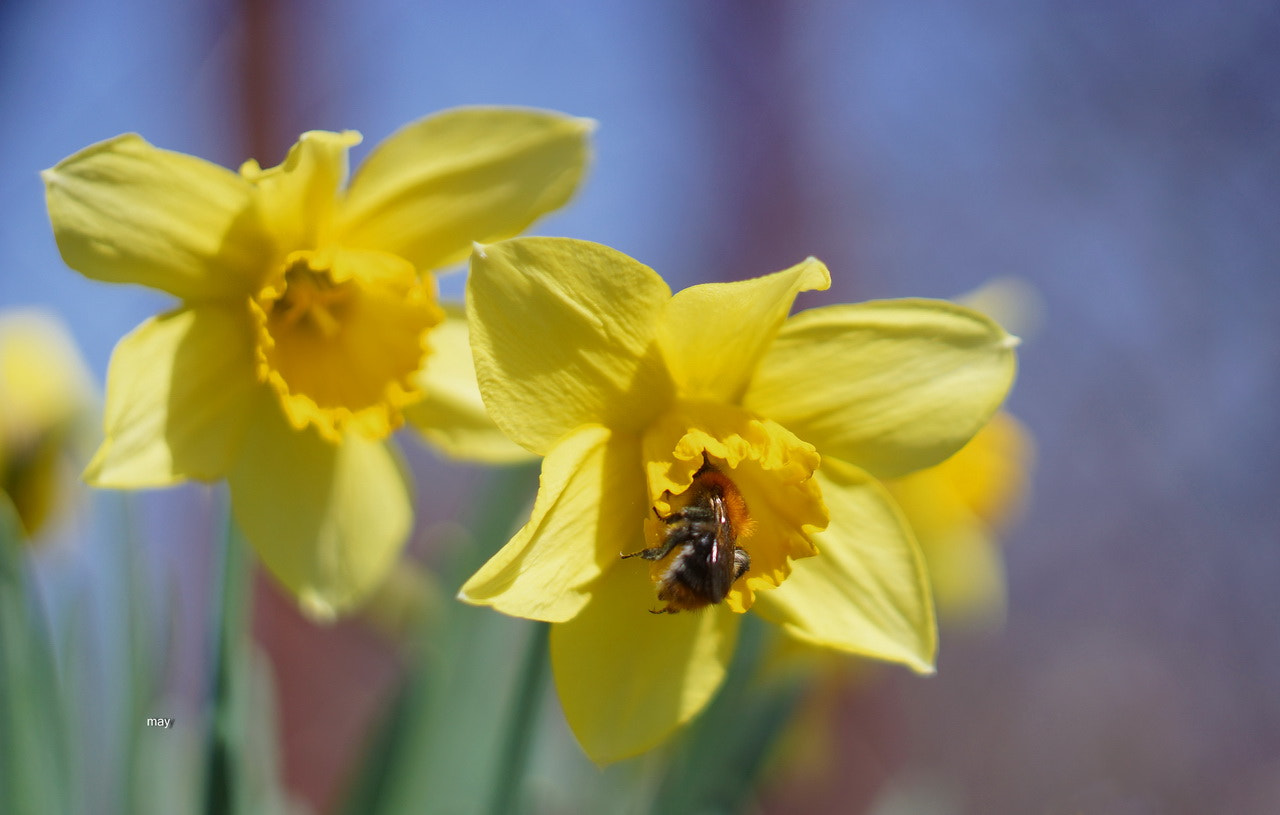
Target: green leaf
{"x":717,"y":763}
{"x":243,"y":759}
{"x":457,"y":737}
{"x":34,"y":749}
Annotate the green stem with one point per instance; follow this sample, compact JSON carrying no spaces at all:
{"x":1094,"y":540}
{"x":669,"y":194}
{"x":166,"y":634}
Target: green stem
{"x":35,"y":745}
{"x":456,"y":718}
{"x":225,"y":780}
{"x":520,"y":728}
{"x":717,"y":763}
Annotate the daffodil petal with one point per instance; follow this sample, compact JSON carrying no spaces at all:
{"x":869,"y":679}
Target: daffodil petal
{"x":955,"y":510}
{"x":891,"y":385}
{"x":451,"y":414}
{"x":563,"y":335}
{"x":471,"y":174}
{"x":124,"y":211}
{"x":589,"y":510}
{"x":327,"y":520}
{"x":965,"y":571}
{"x":990,"y":473}
{"x":179,"y":391}
{"x":866,"y":592}
{"x":627,"y":678}
{"x":298,"y":197}
{"x":714,"y":334}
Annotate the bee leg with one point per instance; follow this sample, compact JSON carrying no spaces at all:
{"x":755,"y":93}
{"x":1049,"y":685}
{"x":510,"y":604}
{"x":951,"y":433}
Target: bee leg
{"x":741,"y":563}
{"x":654,"y":553}
{"x":659,"y":552}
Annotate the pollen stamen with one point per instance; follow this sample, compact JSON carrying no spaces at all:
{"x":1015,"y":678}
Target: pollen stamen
{"x":311,"y":294}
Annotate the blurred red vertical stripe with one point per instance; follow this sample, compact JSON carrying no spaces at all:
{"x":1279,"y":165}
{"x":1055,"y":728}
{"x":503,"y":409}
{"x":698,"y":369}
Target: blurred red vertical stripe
{"x":330,"y":681}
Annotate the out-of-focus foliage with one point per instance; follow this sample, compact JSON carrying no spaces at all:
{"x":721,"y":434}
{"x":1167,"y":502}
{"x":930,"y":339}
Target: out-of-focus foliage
{"x":35,"y":723}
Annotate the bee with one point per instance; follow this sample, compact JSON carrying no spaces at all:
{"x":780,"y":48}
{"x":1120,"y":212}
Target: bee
{"x":706,"y":531}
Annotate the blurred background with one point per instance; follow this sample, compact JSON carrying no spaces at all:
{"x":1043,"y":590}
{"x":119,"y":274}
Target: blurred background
{"x":1122,"y":159}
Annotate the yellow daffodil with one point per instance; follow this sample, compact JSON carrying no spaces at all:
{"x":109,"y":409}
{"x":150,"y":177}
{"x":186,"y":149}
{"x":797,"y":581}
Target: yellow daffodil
{"x":712,"y":416}
{"x":307,"y":322}
{"x":45,"y":391}
{"x":957,"y":509}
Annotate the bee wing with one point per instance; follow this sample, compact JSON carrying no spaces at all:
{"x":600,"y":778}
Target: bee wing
{"x":721,"y":561}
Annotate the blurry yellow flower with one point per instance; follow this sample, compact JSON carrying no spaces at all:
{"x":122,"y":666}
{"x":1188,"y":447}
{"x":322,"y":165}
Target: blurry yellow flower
{"x":44,"y":391}
{"x":584,"y":356}
{"x":957,"y":509}
{"x":307,"y":323}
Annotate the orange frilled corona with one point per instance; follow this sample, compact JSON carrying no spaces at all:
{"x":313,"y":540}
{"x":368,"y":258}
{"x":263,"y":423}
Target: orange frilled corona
{"x":704,"y":534}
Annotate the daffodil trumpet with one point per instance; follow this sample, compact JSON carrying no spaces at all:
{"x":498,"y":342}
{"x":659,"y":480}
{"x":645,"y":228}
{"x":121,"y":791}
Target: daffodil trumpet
{"x":700,"y":543}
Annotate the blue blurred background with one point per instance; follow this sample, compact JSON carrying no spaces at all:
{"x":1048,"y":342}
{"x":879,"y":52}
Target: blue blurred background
{"x":1121,"y":157}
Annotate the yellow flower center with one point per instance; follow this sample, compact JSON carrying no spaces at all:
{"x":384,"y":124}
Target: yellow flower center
{"x":341,"y":333}
{"x":746,"y":478}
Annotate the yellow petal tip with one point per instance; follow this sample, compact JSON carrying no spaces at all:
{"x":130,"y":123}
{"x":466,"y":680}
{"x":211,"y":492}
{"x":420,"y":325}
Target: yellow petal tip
{"x":587,"y":124}
{"x":348,"y":137}
{"x":818,"y":276}
{"x":1011,"y":341}
{"x":317,"y":608}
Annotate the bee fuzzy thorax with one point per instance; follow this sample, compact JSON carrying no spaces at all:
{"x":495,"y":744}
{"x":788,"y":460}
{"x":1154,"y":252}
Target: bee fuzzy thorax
{"x":699,"y":541}
{"x":712,"y":480}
